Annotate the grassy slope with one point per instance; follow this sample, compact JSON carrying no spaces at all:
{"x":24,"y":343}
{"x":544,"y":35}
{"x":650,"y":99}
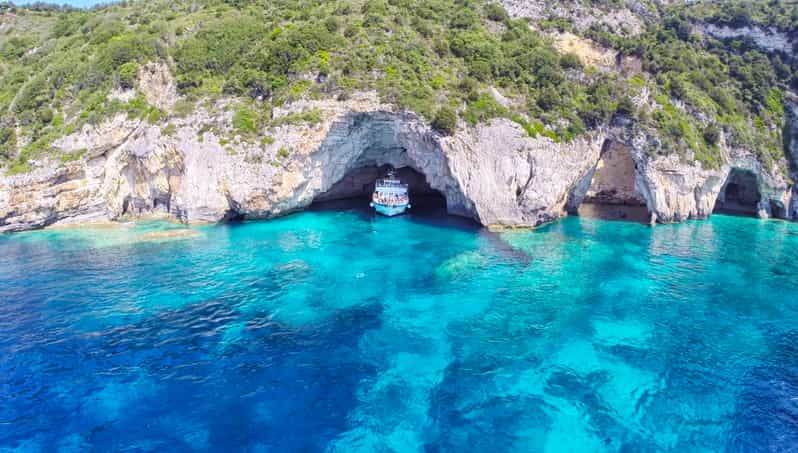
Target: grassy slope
{"x":430,"y":56}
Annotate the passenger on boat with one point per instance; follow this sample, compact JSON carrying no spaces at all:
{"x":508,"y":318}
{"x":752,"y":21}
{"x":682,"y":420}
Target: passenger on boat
{"x":389,"y":199}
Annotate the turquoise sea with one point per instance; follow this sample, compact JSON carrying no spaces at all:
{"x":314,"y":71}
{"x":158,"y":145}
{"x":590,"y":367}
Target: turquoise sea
{"x":339,"y":331}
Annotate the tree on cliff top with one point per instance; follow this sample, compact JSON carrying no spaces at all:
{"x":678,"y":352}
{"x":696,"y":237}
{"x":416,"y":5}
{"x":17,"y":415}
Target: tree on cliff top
{"x":63,"y":64}
{"x":445,"y":121}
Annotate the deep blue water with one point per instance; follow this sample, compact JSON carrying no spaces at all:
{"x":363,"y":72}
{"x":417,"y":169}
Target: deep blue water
{"x":334,"y":331}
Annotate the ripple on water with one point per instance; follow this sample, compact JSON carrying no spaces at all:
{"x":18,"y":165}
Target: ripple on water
{"x":336,"y":331}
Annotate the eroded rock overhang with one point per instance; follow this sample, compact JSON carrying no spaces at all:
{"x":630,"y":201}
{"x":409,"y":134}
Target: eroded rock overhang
{"x":633,"y":169}
{"x":494,"y":173}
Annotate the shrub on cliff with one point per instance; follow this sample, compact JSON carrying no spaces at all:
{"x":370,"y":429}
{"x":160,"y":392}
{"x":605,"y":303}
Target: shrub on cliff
{"x":245,"y":120}
{"x":414,"y":53}
{"x":445,"y":121}
{"x":45,"y":115}
{"x":712,"y":134}
{"x":8,"y":143}
{"x":124,"y":49}
{"x":126,"y":76}
{"x":496,"y":12}
{"x":571,"y":60}
{"x":625,"y":107}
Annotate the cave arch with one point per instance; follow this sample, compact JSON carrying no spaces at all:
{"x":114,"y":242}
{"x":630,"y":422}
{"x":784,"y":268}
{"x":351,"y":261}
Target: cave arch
{"x":358,"y":184}
{"x":610,"y":190}
{"x":739,"y":194}
{"x":365,"y":145}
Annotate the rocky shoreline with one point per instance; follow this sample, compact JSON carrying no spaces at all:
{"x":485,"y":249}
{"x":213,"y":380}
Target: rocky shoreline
{"x":494,"y":173}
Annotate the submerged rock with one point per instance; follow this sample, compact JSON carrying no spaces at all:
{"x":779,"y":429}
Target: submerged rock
{"x":169,"y":235}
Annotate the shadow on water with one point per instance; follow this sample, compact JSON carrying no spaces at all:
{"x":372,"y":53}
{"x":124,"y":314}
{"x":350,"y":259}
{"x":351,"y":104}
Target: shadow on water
{"x":732,"y":209}
{"x":616,"y":212}
{"x":426,"y":209}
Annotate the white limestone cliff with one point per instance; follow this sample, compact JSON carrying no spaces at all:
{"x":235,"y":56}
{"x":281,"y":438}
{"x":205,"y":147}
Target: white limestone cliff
{"x":494,"y":173}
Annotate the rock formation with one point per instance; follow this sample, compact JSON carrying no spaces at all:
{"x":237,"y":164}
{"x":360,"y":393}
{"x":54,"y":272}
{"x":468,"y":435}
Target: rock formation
{"x":494,"y":173}
{"x":768,"y":39}
{"x":628,"y":19}
{"x":791,"y":145}
{"x":158,"y":85}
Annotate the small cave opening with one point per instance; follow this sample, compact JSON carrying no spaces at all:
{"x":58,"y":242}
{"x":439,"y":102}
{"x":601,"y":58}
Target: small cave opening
{"x":778,"y":210}
{"x":612,"y":192}
{"x":354,"y":190}
{"x":739,"y":194}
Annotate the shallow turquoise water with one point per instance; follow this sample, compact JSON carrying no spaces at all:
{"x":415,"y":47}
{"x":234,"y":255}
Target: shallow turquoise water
{"x":341,"y":332}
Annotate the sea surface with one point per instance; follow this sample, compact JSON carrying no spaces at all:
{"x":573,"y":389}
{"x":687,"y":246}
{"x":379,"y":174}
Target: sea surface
{"x":334,"y":330}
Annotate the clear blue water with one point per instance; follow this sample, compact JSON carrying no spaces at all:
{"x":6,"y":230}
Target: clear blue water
{"x":339,"y":332}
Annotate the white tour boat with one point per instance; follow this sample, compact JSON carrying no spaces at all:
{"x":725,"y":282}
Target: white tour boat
{"x":390,"y":196}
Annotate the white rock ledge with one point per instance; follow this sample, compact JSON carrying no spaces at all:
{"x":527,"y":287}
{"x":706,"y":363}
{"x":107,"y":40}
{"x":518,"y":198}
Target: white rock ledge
{"x":494,"y":173}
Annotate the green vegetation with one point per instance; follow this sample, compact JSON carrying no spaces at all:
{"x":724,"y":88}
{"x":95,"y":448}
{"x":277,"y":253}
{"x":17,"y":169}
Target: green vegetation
{"x":245,"y":121}
{"x":127,"y":75}
{"x":57,"y":68}
{"x":445,"y":120}
{"x":436,"y":57}
{"x":73,"y":156}
{"x":312,"y":116}
{"x":734,"y":85}
{"x":169,"y":130}
{"x":780,"y":14}
{"x":413,"y":52}
{"x":8,"y":142}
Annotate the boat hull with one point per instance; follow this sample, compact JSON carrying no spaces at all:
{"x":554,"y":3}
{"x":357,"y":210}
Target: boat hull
{"x":390,"y":211}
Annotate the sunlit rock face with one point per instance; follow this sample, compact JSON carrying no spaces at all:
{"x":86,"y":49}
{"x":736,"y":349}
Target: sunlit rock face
{"x":158,"y":86}
{"x":791,"y":146}
{"x":615,"y":178}
{"x":357,"y":148}
{"x":676,"y":190}
{"x":494,"y":173}
{"x":768,"y":39}
{"x":632,"y":171}
{"x":627,"y":18}
{"x":635,"y":169}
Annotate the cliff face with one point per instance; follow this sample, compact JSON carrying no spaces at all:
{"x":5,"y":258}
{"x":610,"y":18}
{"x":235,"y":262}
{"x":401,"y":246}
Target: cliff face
{"x":200,"y":169}
{"x":791,"y":145}
{"x":676,"y":190}
{"x":494,"y":173}
{"x":626,"y":17}
{"x":768,"y":39}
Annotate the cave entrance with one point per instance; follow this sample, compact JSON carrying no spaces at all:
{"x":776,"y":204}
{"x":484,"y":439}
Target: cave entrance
{"x":365,"y":145}
{"x":612,"y":193}
{"x":739,"y":194}
{"x":354,"y":191}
